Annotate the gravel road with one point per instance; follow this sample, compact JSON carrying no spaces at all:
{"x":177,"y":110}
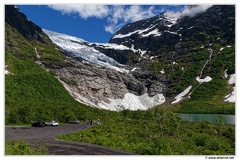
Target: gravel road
{"x":46,"y":136}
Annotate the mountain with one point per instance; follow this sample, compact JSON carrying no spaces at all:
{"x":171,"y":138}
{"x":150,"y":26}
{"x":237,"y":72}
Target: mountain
{"x":196,"y":46}
{"x":186,"y":62}
{"x":99,"y":80}
{"x":170,"y":57}
{"x":32,"y":92}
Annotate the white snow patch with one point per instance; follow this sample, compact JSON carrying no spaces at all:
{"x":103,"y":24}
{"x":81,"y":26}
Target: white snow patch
{"x":171,"y":32}
{"x":191,"y":27}
{"x":152,"y":57}
{"x":174,"y":63}
{"x":231,"y":96}
{"x":225,"y":74}
{"x":140,"y":31}
{"x":119,"y":47}
{"x":172,"y":20}
{"x":228,"y":46}
{"x":7,"y":72}
{"x":162,"y":71}
{"x":202,"y":47}
{"x":133,"y":69}
{"x":112,"y":46}
{"x":124,"y":35}
{"x":206,"y":79}
{"x":138,"y":50}
{"x":232,"y":79}
{"x":221,"y":48}
{"x":154,"y":32}
{"x":180,"y":96}
{"x":133,"y":102}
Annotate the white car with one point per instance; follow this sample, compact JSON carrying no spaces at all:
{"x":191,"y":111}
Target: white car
{"x":52,"y":123}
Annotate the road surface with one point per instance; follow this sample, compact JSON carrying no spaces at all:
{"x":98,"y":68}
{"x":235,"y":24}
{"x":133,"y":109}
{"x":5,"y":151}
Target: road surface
{"x":46,"y":136}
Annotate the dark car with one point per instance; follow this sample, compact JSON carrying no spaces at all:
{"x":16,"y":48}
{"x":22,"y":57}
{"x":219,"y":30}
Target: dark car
{"x":38,"y":124}
{"x":74,"y":122}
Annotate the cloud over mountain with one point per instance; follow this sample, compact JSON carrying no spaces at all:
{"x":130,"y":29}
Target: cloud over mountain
{"x":190,"y":11}
{"x":119,"y":15}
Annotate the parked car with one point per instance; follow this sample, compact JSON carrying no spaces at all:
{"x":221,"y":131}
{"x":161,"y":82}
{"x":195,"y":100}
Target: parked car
{"x":74,"y":122}
{"x":38,"y":124}
{"x":52,"y":123}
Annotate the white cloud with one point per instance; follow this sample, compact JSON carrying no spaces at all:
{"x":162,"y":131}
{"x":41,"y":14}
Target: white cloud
{"x":121,"y":15}
{"x":118,"y":15}
{"x":173,"y":15}
{"x":135,"y":13}
{"x":188,"y":11}
{"x":84,"y":11}
{"x":193,"y":11}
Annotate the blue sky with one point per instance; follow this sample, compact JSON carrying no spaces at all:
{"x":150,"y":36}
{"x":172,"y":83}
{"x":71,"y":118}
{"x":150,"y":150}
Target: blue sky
{"x":94,"y":23}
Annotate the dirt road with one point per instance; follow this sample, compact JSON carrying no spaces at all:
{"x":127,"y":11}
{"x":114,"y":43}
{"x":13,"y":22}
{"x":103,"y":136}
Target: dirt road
{"x":46,"y":136}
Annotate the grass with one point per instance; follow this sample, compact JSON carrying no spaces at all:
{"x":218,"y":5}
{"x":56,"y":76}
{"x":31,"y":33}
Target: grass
{"x":23,"y":148}
{"x":160,"y":134}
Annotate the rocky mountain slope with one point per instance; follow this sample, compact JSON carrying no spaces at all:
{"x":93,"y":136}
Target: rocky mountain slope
{"x":156,"y":61}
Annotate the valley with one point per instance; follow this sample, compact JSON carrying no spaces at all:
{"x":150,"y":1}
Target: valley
{"x":136,"y":84}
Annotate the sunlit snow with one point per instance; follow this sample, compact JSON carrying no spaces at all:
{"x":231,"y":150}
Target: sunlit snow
{"x":231,"y":97}
{"x":133,"y":69}
{"x":77,"y":48}
{"x":225,"y":74}
{"x":206,"y":79}
{"x":6,"y":70}
{"x":171,"y":32}
{"x":154,"y":32}
{"x":142,"y":32}
{"x":162,"y":71}
{"x":133,"y":102}
{"x":232,"y":79}
{"x":180,"y":96}
{"x":112,"y":46}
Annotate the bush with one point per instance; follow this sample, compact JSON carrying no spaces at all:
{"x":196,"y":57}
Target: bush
{"x":23,"y":148}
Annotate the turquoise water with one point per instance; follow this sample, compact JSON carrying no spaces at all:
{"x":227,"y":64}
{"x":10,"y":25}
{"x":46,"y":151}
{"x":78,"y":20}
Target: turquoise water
{"x":212,"y":118}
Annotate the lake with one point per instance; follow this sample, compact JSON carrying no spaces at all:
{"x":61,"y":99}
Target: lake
{"x":213,"y":118}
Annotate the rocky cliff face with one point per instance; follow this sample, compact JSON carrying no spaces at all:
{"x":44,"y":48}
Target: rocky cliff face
{"x":101,"y":87}
{"x":101,"y":81}
{"x":19,"y":21}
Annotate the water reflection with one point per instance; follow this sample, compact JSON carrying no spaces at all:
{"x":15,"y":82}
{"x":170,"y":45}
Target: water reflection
{"x":213,"y":118}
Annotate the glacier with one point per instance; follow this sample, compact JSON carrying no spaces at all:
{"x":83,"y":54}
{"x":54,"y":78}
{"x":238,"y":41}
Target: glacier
{"x":77,"y":48}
